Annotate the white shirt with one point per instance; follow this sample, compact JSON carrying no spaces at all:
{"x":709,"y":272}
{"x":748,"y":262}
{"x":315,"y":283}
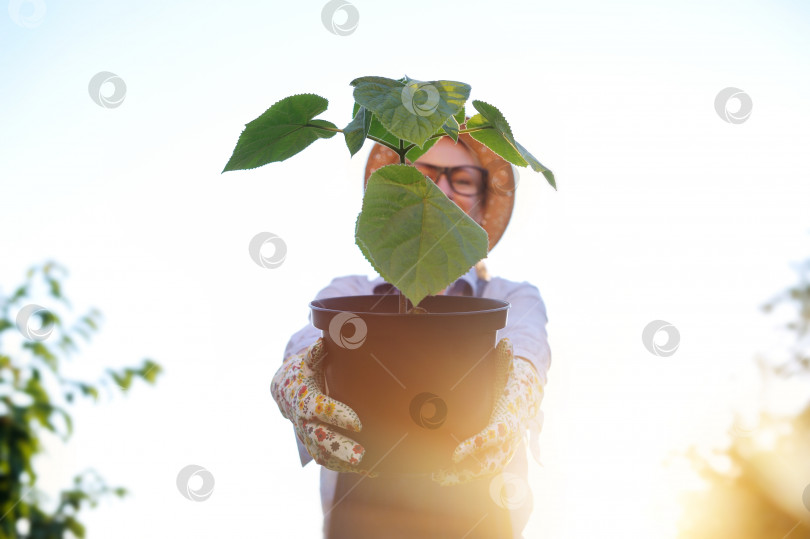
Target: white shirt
{"x":525,"y":327}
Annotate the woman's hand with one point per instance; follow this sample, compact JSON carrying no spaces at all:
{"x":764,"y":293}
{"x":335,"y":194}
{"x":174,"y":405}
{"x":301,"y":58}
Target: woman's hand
{"x":489,"y":451}
{"x":297,"y":389}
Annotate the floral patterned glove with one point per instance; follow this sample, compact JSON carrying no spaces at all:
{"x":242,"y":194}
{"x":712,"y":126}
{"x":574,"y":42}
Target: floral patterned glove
{"x":297,"y":389}
{"x":518,"y":407}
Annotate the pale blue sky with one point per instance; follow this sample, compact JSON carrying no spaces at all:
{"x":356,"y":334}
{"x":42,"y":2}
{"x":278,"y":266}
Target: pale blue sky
{"x":664,"y":211}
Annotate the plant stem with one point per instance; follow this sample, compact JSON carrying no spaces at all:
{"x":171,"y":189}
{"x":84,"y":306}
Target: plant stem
{"x":402,"y":150}
{"x":474,"y":129}
{"x":322,"y":128}
{"x":381,"y":141}
{"x":403,"y":302}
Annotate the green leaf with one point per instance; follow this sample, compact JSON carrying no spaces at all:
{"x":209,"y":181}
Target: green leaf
{"x":68,"y":422}
{"x":90,"y":322}
{"x":43,"y":352}
{"x":284,"y":129}
{"x":48,"y":318}
{"x":22,"y":291}
{"x":377,"y":130}
{"x":357,"y":130}
{"x":42,"y":413}
{"x":89,"y":390}
{"x":75,"y":527}
{"x":56,"y":288}
{"x":150,"y":370}
{"x":67,"y":344}
{"x":413,"y":235}
{"x":123,"y":380}
{"x":451,"y":128}
{"x":500,"y":140}
{"x":35,"y":390}
{"x":412,"y":110}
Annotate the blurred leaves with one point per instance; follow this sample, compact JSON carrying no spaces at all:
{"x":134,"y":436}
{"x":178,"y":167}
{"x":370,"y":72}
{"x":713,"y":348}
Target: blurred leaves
{"x":35,"y":396}
{"x":797,"y":296}
{"x":758,"y":495}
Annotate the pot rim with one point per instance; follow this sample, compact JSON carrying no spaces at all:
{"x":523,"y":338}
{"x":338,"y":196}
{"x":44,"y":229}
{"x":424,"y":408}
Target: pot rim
{"x":499,"y":305}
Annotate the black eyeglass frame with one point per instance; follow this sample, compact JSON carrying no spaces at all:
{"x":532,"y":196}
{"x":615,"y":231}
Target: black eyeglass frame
{"x":448,"y":171}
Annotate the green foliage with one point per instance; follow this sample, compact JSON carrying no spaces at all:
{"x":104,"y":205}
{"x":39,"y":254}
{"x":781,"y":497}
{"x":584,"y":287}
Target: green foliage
{"x":408,"y":116}
{"x":500,"y":140}
{"x":757,"y":494}
{"x":411,"y":110}
{"x":28,"y":408}
{"x":282,"y":131}
{"x":357,"y":130}
{"x":404,"y":236}
{"x":799,"y":296}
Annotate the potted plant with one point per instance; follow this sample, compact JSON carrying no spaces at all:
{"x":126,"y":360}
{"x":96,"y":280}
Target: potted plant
{"x":417,"y":367}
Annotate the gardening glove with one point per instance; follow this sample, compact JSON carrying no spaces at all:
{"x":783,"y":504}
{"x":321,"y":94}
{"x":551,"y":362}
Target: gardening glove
{"x":517,"y":409}
{"x":297,"y":389}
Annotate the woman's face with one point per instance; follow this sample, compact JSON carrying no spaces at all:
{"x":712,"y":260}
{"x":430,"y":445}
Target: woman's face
{"x":447,"y":153}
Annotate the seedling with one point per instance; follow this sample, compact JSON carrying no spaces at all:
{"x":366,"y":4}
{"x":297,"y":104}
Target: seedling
{"x":415,"y":237}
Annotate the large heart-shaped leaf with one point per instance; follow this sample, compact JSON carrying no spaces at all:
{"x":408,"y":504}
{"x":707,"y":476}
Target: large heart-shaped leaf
{"x":282,"y":131}
{"x":413,"y":235}
{"x":500,"y":140}
{"x":409,"y":109}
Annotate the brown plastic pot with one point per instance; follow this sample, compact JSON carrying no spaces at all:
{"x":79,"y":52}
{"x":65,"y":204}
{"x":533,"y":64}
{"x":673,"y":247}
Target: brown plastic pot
{"x":420,"y":383}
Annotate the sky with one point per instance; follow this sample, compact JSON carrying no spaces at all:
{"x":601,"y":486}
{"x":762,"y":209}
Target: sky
{"x":664,"y":211}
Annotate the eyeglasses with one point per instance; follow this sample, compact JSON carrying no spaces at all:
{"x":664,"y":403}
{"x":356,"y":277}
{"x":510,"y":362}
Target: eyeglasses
{"x":466,"y":180}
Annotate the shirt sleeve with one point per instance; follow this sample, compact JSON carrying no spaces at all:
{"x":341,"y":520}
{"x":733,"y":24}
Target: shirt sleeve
{"x":352,"y":285}
{"x":526,"y":327}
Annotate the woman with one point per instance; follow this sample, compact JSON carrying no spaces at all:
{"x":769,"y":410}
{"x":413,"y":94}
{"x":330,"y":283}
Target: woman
{"x":470,"y":499}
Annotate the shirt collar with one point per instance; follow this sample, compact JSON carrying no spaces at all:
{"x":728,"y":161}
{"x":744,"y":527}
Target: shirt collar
{"x":466,"y":285}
